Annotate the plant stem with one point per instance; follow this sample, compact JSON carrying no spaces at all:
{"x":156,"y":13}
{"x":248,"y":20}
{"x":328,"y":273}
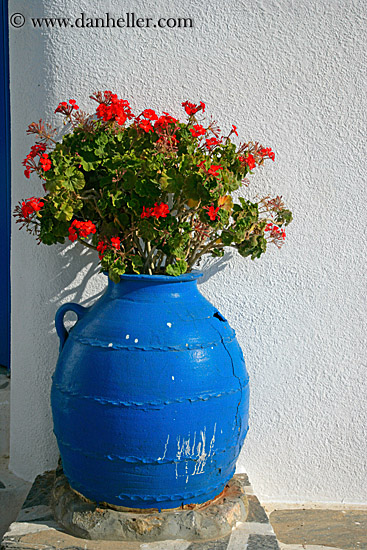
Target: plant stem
{"x":84,"y":243}
{"x":147,"y":264}
{"x":211,"y":244}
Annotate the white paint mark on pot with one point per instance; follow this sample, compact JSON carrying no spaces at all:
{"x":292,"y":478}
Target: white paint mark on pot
{"x":165,"y":449}
{"x":173,"y":377}
{"x":110,"y":345}
{"x":136,"y":340}
{"x":197,"y":452}
{"x":169,"y":325}
{"x":127,"y":336}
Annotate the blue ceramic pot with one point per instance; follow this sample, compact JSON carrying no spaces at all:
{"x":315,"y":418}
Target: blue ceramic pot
{"x":150,"y":395}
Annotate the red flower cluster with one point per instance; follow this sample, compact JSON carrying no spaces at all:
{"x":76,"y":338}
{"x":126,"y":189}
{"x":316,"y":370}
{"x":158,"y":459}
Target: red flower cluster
{"x":36,"y":150}
{"x":192,"y":109}
{"x":150,"y":114}
{"x":197,"y":130}
{"x":81,"y":229}
{"x":211,"y":142}
{"x":66,"y":109}
{"x":213,"y":170}
{"x":275,"y":231}
{"x":45,"y":162}
{"x":146,"y":126}
{"x":267,"y":152}
{"x":249,"y":160}
{"x":114,"y":108}
{"x":103,"y":245}
{"x":101,"y":249}
{"x":161,"y":124}
{"x":116,"y":242}
{"x":31,"y":205}
{"x":212,"y":212}
{"x":158,"y":211}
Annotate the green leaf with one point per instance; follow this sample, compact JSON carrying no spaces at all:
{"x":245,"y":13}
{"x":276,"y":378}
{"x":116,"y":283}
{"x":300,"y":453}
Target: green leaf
{"x":134,"y":205}
{"x":179,"y":253}
{"x":137,"y":264}
{"x":164,"y":181}
{"x":146,"y":188}
{"x":147,"y":231}
{"x":69,"y":171}
{"x":227,"y":237}
{"x":65,"y":213}
{"x":254,"y":247}
{"x":87,"y":166}
{"x":78,"y":181}
{"x":124,"y":219}
{"x":114,"y":275}
{"x":284,"y":216}
{"x":177,"y":269}
{"x":129,"y":180}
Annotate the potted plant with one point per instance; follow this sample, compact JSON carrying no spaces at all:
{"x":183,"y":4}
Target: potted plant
{"x":150,"y":394}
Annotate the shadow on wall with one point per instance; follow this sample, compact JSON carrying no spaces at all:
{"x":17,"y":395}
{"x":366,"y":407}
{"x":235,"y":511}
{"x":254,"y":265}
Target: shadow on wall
{"x":78,"y":279}
{"x":211,"y":266}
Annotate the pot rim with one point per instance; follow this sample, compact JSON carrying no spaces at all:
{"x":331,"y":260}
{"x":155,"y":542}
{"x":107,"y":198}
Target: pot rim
{"x":192,"y":276}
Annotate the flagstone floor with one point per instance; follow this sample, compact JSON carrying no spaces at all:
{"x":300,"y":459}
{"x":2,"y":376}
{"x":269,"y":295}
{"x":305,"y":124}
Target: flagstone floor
{"x":297,"y":527}
{"x":316,"y":526}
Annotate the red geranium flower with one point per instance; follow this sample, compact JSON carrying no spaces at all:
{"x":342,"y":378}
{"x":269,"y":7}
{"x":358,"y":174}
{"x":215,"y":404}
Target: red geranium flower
{"x":116,"y":242}
{"x":31,"y":205}
{"x":101,"y":248}
{"x":81,"y":229}
{"x":267,"y":152}
{"x":36,"y":150}
{"x":150,"y":114}
{"x":146,"y":126}
{"x":214,"y":170}
{"x":163,"y":121}
{"x":114,"y":109}
{"x":275,"y":231}
{"x":249,"y":160}
{"x":147,"y":212}
{"x":211,"y":142}
{"x":197,"y":130}
{"x":192,"y":109}
{"x":212,"y":212}
{"x":45,"y":162}
{"x":158,"y":211}
{"x":66,"y":109}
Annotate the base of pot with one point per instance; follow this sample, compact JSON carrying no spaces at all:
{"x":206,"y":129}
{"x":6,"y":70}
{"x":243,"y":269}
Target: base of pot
{"x":100,"y":521}
{"x":193,"y":506}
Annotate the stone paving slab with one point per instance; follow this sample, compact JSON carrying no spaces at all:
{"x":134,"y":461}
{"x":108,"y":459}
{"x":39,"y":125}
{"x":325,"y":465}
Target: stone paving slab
{"x":13,"y":491}
{"x":97,"y":521}
{"x":345,"y":529}
{"x":35,"y":528}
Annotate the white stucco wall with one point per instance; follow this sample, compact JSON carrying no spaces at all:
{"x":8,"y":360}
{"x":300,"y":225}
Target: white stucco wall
{"x":292,"y":75}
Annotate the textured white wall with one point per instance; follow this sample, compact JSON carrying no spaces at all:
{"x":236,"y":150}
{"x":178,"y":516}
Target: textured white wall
{"x":288,"y":73}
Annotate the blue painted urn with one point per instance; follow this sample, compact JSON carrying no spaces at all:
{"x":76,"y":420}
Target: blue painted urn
{"x":150,"y":395}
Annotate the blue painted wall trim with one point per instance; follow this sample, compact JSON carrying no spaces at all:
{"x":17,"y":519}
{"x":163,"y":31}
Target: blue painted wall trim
{"x":5,"y":204}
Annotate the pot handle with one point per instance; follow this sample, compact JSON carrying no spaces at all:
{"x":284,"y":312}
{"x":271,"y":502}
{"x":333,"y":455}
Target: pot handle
{"x":59,"y":320}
